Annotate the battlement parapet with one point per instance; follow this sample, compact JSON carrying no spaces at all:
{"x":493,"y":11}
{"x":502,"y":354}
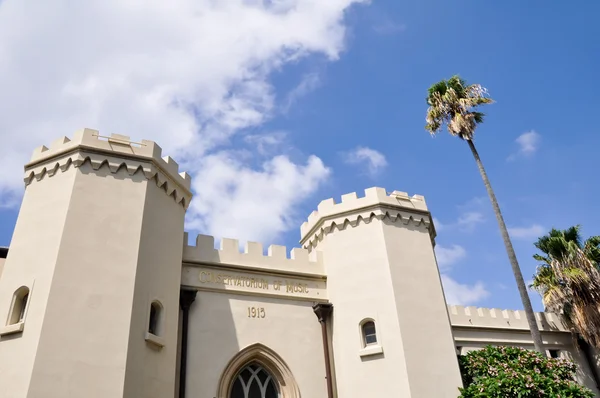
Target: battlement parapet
{"x":300,"y":260}
{"x":502,"y":319}
{"x":115,"y":144}
{"x":353,"y":208}
{"x":115,"y":152}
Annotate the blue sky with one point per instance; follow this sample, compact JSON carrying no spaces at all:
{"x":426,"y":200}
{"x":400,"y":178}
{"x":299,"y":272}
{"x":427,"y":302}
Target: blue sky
{"x":364,"y":87}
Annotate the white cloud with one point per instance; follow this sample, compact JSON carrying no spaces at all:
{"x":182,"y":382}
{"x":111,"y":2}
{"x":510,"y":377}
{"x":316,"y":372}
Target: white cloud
{"x":532,"y":232}
{"x":469,"y":220}
{"x":189,"y":74}
{"x":462,"y":294}
{"x":373,"y":160}
{"x":309,"y":83}
{"x":235,"y":201}
{"x":528,"y":143}
{"x":471,"y":215}
{"x":448,"y":256}
{"x":266,"y":143}
{"x":455,"y":292}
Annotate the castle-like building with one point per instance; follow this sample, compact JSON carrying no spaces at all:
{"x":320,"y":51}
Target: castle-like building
{"x":103,"y":296}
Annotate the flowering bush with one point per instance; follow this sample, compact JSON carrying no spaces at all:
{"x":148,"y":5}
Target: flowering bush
{"x":511,"y":372}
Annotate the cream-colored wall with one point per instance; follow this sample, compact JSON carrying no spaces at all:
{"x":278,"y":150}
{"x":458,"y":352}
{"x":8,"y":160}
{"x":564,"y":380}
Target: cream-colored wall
{"x":360,"y":286}
{"x":378,"y":255}
{"x":98,"y":237}
{"x":151,"y":372}
{"x":34,"y":249}
{"x":88,"y":316}
{"x":219,"y":328}
{"x":2,"y":260}
{"x":424,"y":323}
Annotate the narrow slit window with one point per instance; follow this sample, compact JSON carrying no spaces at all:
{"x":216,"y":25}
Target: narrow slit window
{"x":154,"y":319}
{"x":19,"y":307}
{"x":369,"y":333}
{"x":23,"y":306}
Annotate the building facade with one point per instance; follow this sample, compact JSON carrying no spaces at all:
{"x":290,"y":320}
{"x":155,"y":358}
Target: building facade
{"x":105,"y":295}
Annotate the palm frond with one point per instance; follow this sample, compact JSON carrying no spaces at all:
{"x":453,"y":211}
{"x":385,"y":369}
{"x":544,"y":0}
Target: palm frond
{"x":451,"y":103}
{"x":568,"y":279}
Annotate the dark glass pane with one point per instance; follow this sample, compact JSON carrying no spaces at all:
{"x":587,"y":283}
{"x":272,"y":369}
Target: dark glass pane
{"x":262,"y":376}
{"x":237,"y":391}
{"x":371,"y":339}
{"x":369,"y":328}
{"x":246,"y":373}
{"x":369,"y":333}
{"x":271,"y":390}
{"x":23,"y":306}
{"x":255,"y":390}
{"x":153,"y":316}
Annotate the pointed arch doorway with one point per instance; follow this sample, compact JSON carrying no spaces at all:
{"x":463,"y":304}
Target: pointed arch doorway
{"x":257,"y":372}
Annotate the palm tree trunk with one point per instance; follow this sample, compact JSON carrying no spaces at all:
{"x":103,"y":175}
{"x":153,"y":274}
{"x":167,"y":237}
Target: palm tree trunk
{"x":533,"y":326}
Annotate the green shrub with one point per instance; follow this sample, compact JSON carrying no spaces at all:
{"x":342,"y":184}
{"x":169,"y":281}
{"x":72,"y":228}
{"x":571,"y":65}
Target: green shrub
{"x":511,"y":372}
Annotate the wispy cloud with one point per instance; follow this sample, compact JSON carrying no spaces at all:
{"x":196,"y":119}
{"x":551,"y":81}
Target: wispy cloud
{"x":309,"y":83}
{"x":528,"y":144}
{"x":463,"y":294}
{"x":267,"y":142}
{"x":471,"y":215}
{"x":469,"y":220}
{"x":455,"y":292}
{"x":531,"y":232}
{"x":448,"y":256}
{"x":388,"y":27}
{"x":374,"y":161}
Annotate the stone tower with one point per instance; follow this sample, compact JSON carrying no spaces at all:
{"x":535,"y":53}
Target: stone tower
{"x":90,"y":287}
{"x":392,"y":334}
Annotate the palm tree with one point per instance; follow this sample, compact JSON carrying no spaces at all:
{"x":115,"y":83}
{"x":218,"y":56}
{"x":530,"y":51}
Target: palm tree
{"x":452,"y":102}
{"x":568,"y":279}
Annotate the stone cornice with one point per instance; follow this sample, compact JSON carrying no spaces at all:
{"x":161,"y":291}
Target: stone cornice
{"x":116,"y":153}
{"x":352,"y":211}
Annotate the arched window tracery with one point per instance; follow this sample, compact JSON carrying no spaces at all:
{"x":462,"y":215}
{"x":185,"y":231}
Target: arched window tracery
{"x":257,"y":372}
{"x":253,"y":381}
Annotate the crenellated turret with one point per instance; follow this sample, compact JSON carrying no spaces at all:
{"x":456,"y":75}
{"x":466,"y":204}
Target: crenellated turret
{"x":91,"y":285}
{"x":392,"y":332}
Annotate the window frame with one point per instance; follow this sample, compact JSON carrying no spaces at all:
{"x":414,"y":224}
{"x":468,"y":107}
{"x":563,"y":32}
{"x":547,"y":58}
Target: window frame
{"x":366,"y":323}
{"x":17,"y":312}
{"x":369,"y":348}
{"x":19,"y":306}
{"x":155,"y":321}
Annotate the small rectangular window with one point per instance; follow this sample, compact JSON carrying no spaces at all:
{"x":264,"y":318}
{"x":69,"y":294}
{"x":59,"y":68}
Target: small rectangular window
{"x":554,"y":353}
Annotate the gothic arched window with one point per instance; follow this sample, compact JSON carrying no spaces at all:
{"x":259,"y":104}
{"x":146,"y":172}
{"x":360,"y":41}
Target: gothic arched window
{"x":19,"y":306}
{"x":154,"y":320}
{"x":253,"y":381}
